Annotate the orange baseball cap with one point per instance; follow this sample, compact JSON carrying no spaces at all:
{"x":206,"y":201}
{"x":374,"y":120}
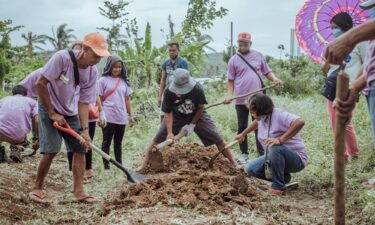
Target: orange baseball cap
{"x":244,"y":37}
{"x":97,"y":43}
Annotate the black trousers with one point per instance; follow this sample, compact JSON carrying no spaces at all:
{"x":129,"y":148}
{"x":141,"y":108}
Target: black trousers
{"x":242,"y":123}
{"x":115,"y":132}
{"x":92,"y":126}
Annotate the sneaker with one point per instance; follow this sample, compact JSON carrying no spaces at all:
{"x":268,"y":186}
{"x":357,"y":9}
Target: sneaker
{"x":276,"y":192}
{"x":15,"y":154}
{"x":3,"y":155}
{"x":243,"y":158}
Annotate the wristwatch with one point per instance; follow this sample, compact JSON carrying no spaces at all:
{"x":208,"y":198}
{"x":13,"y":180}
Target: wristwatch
{"x":83,"y":129}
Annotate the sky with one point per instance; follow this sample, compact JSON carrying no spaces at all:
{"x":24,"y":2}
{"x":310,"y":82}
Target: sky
{"x":269,"y":21}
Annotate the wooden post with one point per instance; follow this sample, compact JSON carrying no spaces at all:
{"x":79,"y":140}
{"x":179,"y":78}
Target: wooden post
{"x":339,"y":164}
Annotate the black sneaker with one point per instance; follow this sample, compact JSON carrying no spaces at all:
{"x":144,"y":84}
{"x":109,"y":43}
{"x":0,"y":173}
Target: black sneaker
{"x":15,"y":154}
{"x":3,"y":155}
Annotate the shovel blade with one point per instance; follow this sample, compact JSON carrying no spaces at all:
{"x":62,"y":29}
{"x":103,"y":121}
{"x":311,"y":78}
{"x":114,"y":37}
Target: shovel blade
{"x":137,"y":177}
{"x":156,"y":161}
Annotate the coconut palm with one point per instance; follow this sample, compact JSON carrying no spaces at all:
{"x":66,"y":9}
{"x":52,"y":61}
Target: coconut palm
{"x":32,"y":41}
{"x":61,"y":38}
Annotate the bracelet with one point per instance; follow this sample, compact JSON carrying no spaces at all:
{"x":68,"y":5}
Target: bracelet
{"x":83,"y":129}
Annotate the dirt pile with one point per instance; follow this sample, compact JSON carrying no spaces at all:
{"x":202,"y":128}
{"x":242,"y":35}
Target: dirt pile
{"x":188,"y":182}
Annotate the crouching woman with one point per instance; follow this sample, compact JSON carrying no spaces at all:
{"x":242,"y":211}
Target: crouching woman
{"x":279,"y":133}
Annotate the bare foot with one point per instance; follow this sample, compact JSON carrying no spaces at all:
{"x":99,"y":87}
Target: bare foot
{"x":88,"y":174}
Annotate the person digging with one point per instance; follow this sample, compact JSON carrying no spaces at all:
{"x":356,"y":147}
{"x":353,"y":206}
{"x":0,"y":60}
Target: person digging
{"x":17,"y":113}
{"x":66,"y":87}
{"x":183,"y":105}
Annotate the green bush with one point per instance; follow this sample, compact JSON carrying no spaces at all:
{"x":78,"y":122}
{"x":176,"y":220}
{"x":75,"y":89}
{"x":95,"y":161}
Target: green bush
{"x":301,"y":76}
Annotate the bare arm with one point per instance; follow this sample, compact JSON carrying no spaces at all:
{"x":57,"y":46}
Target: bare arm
{"x":43,"y":94}
{"x":325,"y":67}
{"x":230,"y":91}
{"x":168,"y":119}
{"x":241,"y":137}
{"x":99,"y":103}
{"x":272,"y":77}
{"x":83,"y":113}
{"x":198,"y":114}
{"x":35,"y":121}
{"x":162,"y":83}
{"x":293,"y":130}
{"x":128,"y":104}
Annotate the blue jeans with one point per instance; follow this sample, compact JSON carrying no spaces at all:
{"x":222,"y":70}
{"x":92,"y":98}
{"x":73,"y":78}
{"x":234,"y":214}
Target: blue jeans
{"x":282,"y":162}
{"x":371,"y":108}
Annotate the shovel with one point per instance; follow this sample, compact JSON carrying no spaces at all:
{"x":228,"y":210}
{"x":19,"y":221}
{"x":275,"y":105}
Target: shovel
{"x":211,"y":163}
{"x":241,"y":96}
{"x":134,"y":177}
{"x":156,"y":162}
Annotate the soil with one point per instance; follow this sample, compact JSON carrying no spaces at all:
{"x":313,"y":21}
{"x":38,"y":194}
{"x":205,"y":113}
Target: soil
{"x":185,"y":192}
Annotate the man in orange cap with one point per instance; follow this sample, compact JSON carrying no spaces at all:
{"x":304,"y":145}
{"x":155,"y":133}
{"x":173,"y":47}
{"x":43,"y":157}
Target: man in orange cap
{"x":66,"y":87}
{"x":245,"y":72}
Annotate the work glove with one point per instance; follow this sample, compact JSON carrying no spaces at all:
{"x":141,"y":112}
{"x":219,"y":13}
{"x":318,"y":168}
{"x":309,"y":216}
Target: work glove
{"x":189,"y":129}
{"x":102,"y":119}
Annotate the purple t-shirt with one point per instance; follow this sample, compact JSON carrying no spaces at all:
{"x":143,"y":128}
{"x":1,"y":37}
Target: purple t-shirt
{"x":369,"y":64}
{"x":245,"y":79}
{"x":114,"y":105}
{"x":59,"y":71}
{"x":30,"y":83}
{"x":16,"y":113}
{"x":280,"y":122}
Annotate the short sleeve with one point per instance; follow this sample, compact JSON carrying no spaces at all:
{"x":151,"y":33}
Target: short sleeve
{"x":184,"y":64}
{"x":286,"y":118}
{"x":264,"y":68}
{"x":164,"y":66}
{"x":54,"y":67}
{"x":231,"y":74}
{"x":87,"y":92}
{"x":128,"y":90}
{"x":201,"y":97}
{"x":167,"y":105}
{"x":101,"y":87}
{"x":34,"y":108}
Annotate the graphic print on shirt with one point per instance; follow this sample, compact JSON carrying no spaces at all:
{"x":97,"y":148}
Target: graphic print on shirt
{"x":187,"y":107}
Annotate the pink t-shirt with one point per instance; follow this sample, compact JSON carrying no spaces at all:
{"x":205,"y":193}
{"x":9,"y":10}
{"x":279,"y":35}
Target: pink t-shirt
{"x":369,"y":64}
{"x":280,"y":122}
{"x":16,"y":113}
{"x":245,"y":79}
{"x":114,"y":106}
{"x":30,"y":83}
{"x":59,"y":70}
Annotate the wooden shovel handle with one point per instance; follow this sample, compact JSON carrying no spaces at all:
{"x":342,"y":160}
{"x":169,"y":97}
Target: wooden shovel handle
{"x":241,"y":96}
{"x":170,"y":141}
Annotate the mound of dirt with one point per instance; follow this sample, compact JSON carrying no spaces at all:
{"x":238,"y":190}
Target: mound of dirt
{"x":188,"y":182}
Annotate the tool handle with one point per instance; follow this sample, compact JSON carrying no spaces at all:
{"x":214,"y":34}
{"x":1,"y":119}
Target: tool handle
{"x":231,"y":144}
{"x":67,"y":129}
{"x":168,"y":142}
{"x":241,"y":96}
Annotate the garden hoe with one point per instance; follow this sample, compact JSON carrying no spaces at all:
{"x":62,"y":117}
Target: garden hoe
{"x":133,"y":177}
{"x":211,"y":163}
{"x":156,"y":162}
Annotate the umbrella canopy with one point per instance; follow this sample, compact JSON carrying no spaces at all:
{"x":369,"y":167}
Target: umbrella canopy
{"x":313,"y":28}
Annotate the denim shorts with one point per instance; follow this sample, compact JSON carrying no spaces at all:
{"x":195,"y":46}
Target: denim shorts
{"x":50,"y":138}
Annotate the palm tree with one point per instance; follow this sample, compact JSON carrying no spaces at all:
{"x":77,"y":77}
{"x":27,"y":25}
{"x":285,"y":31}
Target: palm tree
{"x":61,"y":38}
{"x":281,"y":47}
{"x":32,"y":41}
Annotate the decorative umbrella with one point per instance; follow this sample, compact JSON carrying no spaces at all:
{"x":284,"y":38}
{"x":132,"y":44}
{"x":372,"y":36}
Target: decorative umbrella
{"x":313,"y":28}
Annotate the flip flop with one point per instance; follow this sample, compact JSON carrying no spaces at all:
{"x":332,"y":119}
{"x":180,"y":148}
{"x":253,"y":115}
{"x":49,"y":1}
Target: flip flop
{"x":38,"y":197}
{"x":87,"y":199}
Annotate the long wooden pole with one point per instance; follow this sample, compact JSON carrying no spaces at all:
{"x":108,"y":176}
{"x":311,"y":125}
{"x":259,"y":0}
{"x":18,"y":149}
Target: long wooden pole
{"x":339,"y":164}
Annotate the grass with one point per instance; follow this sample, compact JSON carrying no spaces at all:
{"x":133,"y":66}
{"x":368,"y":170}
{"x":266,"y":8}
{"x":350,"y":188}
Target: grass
{"x":317,"y":178}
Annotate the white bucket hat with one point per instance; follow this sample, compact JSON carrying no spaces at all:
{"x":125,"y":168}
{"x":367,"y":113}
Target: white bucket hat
{"x":182,"y":82}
